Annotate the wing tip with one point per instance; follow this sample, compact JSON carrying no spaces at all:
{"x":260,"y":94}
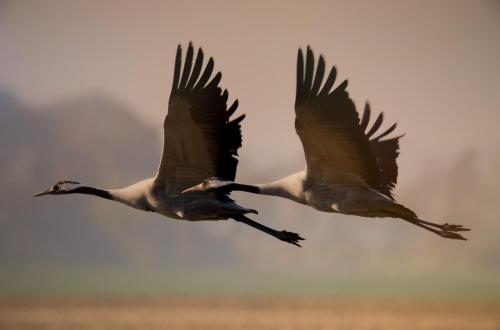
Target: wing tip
{"x":232,"y":108}
{"x":342,"y":87}
{"x":215,"y":81}
{"x":239,"y":119}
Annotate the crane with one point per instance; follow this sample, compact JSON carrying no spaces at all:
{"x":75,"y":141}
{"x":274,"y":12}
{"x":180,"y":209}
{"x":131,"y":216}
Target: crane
{"x":349,"y":169}
{"x":201,"y":140}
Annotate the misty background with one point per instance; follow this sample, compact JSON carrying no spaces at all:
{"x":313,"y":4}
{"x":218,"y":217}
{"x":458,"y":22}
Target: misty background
{"x":84,"y":88}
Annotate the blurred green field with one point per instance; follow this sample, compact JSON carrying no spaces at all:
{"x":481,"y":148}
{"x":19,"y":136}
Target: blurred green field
{"x":246,"y":313}
{"x":33,"y":281}
{"x":209,"y":299}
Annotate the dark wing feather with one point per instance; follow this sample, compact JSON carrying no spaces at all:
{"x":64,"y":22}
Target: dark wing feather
{"x":336,"y":147}
{"x":200,"y":138}
{"x":366,"y":117}
{"x":376,"y":125}
{"x":385,"y":151}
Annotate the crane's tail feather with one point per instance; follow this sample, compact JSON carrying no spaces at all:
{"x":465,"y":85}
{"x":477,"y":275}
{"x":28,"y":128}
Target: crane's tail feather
{"x":233,"y":209}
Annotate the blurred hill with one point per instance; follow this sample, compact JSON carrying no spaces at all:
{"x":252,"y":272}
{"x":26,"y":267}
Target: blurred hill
{"x":98,"y":141}
{"x":95,"y":140}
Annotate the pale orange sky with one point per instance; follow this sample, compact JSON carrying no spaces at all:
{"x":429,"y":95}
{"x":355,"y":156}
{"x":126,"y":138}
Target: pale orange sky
{"x":433,"y":66}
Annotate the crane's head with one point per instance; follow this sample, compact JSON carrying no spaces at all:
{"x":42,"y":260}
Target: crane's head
{"x":209,"y":185}
{"x":60,"y":188}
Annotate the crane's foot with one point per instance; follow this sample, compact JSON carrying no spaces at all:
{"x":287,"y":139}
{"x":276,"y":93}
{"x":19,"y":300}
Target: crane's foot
{"x":289,"y":237}
{"x":445,"y":230}
{"x":450,"y":231}
{"x":450,"y":235}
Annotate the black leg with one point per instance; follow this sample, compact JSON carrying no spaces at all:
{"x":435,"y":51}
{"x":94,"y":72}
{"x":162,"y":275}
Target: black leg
{"x":283,"y":235}
{"x":445,"y":227}
{"x":445,"y":231}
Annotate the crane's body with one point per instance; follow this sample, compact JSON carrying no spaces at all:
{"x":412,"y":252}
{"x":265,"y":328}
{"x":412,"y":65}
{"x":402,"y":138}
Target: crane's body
{"x":348,"y":169}
{"x":201,"y":139}
{"x":353,"y":199}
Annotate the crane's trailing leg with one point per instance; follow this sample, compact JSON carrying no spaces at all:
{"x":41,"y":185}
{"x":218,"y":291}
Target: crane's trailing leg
{"x":286,"y":236}
{"x":445,"y":227}
{"x":371,"y":204}
{"x":391,"y":209}
{"x":446,"y":230}
{"x":399,"y":211}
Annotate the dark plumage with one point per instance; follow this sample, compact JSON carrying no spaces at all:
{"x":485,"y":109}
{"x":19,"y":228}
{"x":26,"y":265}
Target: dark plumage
{"x":200,"y":122}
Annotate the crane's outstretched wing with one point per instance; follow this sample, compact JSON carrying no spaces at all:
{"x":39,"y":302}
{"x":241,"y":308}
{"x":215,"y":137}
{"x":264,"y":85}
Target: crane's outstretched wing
{"x":200,"y":139}
{"x":336,"y":147}
{"x":385,"y":151}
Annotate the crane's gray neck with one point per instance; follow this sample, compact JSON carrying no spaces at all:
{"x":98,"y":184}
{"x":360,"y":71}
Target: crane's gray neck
{"x":133,"y":195}
{"x":290,"y":187}
{"x":277,"y":189}
{"x":103,"y":193}
{"x":272,"y":189}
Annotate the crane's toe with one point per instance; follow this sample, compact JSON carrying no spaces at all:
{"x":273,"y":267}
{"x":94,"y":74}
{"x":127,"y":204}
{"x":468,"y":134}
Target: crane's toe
{"x":290,"y":237}
{"x":451,"y":227}
{"x":451,"y":235}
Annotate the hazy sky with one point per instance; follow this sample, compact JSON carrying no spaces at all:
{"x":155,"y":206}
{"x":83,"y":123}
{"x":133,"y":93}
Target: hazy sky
{"x":433,"y":66}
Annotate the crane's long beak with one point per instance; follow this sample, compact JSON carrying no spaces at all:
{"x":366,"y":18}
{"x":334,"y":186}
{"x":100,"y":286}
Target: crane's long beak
{"x":45,"y":192}
{"x":192,"y":189}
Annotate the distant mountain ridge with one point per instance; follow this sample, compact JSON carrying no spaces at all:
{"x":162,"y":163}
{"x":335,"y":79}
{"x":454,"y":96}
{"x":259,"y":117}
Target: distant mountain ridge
{"x":94,"y":140}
